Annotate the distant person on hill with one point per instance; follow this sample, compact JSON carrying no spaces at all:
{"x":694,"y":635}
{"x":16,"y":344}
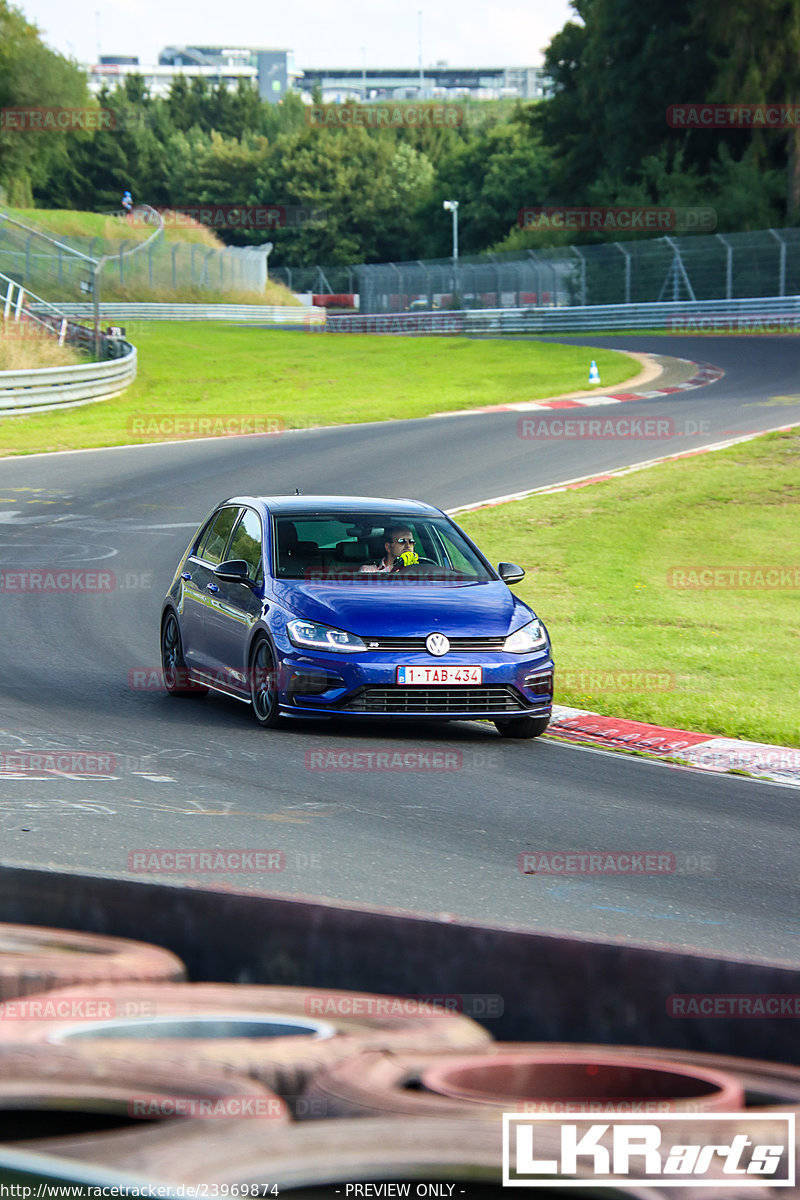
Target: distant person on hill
{"x":127,"y":203}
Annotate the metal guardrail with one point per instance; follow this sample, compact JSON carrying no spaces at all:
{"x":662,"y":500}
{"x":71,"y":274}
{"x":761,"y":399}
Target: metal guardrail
{"x":767,"y":314}
{"x":42,"y":388}
{"x":268,"y":314}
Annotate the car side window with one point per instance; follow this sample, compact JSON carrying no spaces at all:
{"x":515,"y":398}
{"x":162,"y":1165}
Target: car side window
{"x":247,"y":542}
{"x":215,"y":539}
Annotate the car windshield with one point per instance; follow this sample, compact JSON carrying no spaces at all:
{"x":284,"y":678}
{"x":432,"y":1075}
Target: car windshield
{"x":351,"y":548}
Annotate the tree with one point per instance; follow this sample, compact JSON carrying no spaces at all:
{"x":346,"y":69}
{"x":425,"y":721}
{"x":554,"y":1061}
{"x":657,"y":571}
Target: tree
{"x":34,"y":77}
{"x":757,"y":61}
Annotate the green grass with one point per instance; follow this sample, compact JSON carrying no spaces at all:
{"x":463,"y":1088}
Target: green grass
{"x":67,"y":223}
{"x":599,"y":561}
{"x":210,"y":370}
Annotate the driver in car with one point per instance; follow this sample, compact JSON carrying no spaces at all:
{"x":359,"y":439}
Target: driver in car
{"x":399,"y":552}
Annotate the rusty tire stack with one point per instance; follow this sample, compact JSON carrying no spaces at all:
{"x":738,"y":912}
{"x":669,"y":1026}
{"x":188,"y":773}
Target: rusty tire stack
{"x":521,"y":1077}
{"x":90,"y":1025}
{"x":280,"y":1036}
{"x":36,"y":959}
{"x":49,"y":1090}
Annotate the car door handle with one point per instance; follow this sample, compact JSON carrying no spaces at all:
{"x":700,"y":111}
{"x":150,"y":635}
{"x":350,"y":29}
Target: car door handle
{"x":186,"y":576}
{"x":212,"y":587}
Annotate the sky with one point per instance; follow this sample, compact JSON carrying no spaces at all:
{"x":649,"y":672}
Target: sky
{"x":335,"y":33}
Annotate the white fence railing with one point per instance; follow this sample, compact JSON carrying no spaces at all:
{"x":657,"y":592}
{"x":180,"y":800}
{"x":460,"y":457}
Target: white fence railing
{"x":266,"y":314}
{"x":42,"y":388}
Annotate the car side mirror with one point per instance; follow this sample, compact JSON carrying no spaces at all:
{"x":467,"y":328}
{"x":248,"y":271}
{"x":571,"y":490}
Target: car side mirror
{"x":235,"y":570}
{"x":510,"y":572}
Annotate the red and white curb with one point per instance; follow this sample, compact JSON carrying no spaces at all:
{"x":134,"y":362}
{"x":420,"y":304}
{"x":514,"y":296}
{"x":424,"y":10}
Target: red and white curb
{"x":777,"y":763}
{"x":705,"y":373}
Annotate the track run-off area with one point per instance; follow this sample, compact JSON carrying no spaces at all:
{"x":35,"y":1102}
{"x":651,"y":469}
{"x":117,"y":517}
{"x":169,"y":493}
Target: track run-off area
{"x":143,"y":772}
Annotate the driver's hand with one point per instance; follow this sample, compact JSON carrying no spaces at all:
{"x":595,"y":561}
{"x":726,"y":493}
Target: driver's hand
{"x":406,"y":560}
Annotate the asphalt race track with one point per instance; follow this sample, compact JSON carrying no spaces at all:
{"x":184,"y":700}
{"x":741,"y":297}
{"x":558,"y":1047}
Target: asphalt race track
{"x":200,"y":775}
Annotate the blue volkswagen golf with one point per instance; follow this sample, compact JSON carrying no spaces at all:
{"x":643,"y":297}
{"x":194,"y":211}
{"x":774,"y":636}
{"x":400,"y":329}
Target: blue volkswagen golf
{"x":334,"y":606}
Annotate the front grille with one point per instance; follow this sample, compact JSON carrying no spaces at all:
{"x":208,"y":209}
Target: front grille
{"x":457,"y":644}
{"x":442,"y":700}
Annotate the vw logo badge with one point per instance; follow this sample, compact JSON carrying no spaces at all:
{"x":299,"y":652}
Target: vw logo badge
{"x":437,"y":644}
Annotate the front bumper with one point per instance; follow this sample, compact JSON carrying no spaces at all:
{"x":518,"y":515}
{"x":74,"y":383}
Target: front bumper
{"x":322,"y":684}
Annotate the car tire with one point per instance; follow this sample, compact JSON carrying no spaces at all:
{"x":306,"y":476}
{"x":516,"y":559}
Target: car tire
{"x":263,"y":680}
{"x":340,"y":1024}
{"x":522,"y":727}
{"x":311,"y":1157}
{"x":173,"y":665}
{"x":35,"y":958}
{"x":502,"y":1077}
{"x":65,"y":1096}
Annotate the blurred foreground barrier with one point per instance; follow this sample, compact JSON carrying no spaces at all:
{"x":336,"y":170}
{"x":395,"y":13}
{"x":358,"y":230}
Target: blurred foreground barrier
{"x":220,"y":1154}
{"x":49,"y":1091}
{"x":523,"y":1077}
{"x":552,"y":987}
{"x":39,"y":959}
{"x":280,"y":1036}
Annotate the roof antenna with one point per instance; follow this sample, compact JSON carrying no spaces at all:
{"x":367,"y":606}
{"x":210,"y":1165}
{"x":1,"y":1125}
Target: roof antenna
{"x":297,"y":492}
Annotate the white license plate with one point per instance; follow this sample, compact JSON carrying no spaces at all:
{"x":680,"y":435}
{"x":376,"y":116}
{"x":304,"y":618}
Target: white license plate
{"x":439,"y":674}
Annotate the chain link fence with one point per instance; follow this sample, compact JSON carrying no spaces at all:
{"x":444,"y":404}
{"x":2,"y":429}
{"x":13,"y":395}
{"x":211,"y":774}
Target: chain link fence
{"x":656,"y":270}
{"x":63,"y":271}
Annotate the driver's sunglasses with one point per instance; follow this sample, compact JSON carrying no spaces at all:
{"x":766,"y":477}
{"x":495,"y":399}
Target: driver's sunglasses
{"x":405,"y":541}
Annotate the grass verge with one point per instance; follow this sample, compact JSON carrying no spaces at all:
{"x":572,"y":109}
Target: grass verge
{"x":67,"y":223}
{"x":196,"y":371}
{"x":635,"y":633}
{"x":144,"y":281}
{"x":23,"y":348}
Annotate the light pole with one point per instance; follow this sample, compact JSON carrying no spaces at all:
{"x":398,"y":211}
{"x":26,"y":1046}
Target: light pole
{"x":452,"y":206}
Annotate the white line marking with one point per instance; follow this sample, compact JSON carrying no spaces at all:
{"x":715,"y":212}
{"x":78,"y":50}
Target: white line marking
{"x":617,"y":472}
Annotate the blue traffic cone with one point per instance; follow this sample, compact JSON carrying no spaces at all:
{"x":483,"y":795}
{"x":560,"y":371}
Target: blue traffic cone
{"x":594,"y":374}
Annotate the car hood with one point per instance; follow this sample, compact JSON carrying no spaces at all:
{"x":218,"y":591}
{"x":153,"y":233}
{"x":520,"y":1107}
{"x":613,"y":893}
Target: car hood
{"x":407,"y":610}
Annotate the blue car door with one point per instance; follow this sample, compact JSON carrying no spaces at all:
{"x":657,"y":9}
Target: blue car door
{"x":200,"y":587}
{"x":234,"y":607}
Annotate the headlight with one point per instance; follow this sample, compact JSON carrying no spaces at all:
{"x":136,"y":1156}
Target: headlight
{"x":531,"y":637}
{"x":311,"y":636}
